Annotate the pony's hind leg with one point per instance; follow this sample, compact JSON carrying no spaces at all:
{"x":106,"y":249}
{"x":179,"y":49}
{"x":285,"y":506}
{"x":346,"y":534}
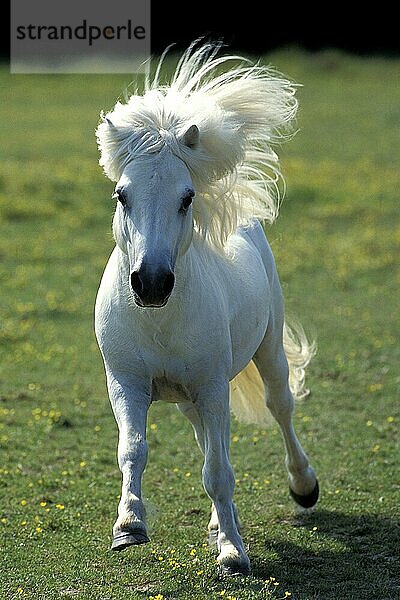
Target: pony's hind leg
{"x":272,"y":365}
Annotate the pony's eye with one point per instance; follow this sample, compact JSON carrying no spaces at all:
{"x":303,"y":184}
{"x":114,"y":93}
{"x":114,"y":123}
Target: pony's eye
{"x":187,"y":201}
{"x":120,"y":196}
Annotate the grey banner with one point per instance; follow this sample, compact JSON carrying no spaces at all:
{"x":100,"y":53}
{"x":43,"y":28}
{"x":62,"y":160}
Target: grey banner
{"x":80,"y":36}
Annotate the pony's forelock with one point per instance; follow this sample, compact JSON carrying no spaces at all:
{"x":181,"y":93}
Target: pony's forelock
{"x":240,"y":113}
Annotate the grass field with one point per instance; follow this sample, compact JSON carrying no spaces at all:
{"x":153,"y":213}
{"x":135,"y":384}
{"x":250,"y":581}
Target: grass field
{"x":337,"y":248}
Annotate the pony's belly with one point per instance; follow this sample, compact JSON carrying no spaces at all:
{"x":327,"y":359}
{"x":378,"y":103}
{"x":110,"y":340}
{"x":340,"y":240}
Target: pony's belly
{"x":169,"y":391}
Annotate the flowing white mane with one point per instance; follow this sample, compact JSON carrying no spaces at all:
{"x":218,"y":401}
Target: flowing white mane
{"x":240,"y":113}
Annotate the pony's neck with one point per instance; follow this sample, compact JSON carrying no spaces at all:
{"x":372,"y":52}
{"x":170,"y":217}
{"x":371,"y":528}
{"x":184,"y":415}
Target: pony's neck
{"x":195,"y":268}
{"x":187,"y":270}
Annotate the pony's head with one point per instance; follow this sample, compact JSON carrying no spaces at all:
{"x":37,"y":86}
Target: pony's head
{"x":153,"y":222}
{"x":209,"y":133}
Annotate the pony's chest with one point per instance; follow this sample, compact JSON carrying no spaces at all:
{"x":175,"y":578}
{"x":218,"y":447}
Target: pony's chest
{"x":176,"y":356}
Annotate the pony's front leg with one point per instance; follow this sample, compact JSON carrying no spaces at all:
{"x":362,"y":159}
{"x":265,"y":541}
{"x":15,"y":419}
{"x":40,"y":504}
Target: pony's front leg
{"x":212,"y":403}
{"x":191,"y":413}
{"x":130,"y":400}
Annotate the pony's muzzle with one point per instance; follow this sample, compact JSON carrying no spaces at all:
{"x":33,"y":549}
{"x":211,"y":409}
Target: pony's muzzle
{"x":151,"y":289}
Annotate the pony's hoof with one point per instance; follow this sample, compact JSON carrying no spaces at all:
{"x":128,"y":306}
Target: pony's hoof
{"x":235,"y":568}
{"x":307,"y":501}
{"x":129,"y":538}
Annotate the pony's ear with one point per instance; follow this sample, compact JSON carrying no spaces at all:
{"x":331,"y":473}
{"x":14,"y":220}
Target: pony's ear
{"x":107,"y":120}
{"x":191,"y":137}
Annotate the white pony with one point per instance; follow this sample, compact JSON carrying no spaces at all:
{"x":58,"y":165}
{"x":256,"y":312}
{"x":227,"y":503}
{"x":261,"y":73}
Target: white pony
{"x":190,"y":297}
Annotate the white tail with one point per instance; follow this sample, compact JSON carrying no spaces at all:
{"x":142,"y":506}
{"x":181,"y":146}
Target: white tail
{"x":247,"y":388}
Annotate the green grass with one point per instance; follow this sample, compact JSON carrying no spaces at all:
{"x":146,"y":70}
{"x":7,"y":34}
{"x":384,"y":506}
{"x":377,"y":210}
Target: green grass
{"x":337,"y":247}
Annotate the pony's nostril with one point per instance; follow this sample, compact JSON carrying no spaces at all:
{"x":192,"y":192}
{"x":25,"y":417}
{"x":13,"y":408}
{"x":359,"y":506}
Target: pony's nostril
{"x":168,"y":285}
{"x":136,"y":283}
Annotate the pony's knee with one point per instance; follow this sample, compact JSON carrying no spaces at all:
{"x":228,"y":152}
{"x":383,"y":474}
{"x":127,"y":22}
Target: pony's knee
{"x":218,"y":482}
{"x":132,"y":452}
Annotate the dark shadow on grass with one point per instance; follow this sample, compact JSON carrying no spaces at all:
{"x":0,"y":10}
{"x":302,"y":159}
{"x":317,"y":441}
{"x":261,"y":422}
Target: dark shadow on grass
{"x":366,"y":567}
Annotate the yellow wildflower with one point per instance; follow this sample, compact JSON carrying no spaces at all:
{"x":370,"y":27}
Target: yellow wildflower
{"x":375,"y":387}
